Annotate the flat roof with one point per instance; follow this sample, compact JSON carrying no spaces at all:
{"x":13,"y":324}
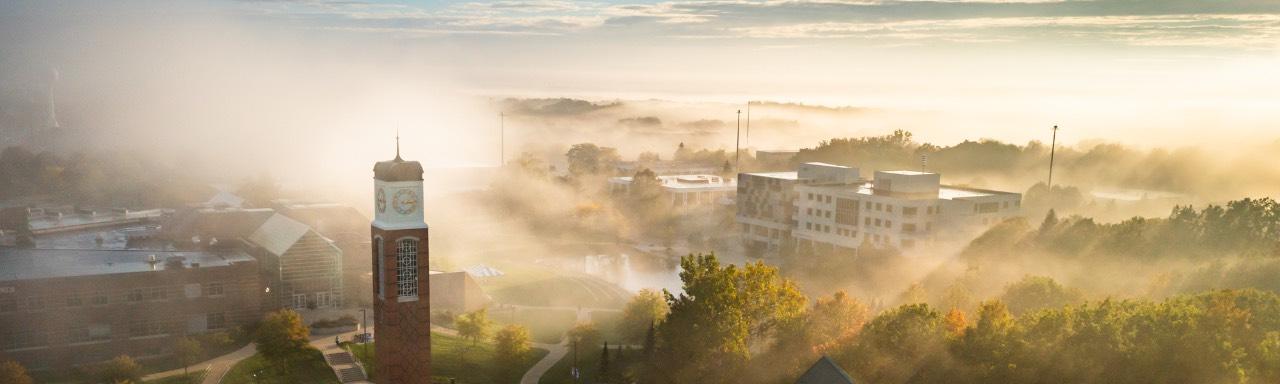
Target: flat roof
{"x":907,"y":173}
{"x":945,"y":192}
{"x":686,"y":181}
{"x":789,"y":175}
{"x":32,"y":264}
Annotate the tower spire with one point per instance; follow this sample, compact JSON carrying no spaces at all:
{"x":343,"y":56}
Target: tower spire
{"x":398,"y":145}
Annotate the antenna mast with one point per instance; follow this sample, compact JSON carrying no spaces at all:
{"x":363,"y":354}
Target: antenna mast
{"x":397,"y":144}
{"x":737,"y":145}
{"x":748,"y":138}
{"x":1053,"y":147}
{"x":502,"y":138}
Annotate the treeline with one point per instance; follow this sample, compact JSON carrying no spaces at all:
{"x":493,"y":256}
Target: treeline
{"x":114,"y":179}
{"x":749,"y":325}
{"x":1247,"y":227}
{"x":1187,"y":170}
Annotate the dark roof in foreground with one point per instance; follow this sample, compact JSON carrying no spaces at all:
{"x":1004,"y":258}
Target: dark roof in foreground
{"x":31,"y":264}
{"x":825,"y":371}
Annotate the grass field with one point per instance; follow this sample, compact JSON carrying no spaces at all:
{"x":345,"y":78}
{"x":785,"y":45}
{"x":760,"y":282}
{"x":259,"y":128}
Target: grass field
{"x":564,"y":291}
{"x":455,"y":358}
{"x":312,"y":370}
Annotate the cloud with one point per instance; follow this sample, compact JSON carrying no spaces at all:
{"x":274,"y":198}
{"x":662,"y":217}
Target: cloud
{"x":1231,"y":25}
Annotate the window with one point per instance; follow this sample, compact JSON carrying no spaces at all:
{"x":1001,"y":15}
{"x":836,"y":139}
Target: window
{"x":888,"y":224}
{"x":157,"y":293}
{"x":808,"y":211}
{"x":888,"y":208}
{"x":986,"y":207}
{"x":866,"y":221}
{"x":134,"y":295}
{"x":879,"y":207}
{"x":100,"y":299}
{"x":908,"y":228}
{"x":24,"y":339}
{"x":8,"y":304}
{"x":808,"y":225}
{"x":74,"y":300}
{"x":215,"y":320}
{"x":407,"y":268}
{"x":35,"y":303}
{"x":878,"y":222}
{"x":908,"y":244}
{"x":140,"y":328}
{"x":828,"y":199}
{"x":214,"y":289}
{"x":868,"y":206}
{"x":909,"y":211}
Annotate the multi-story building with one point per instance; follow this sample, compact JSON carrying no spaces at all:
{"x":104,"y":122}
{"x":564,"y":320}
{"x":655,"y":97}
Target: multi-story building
{"x":62,"y":308}
{"x":766,"y":201}
{"x":899,"y":209}
{"x":686,"y":190}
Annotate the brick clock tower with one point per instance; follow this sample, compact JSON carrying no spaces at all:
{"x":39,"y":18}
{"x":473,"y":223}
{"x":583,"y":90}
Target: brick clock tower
{"x":401,"y":302}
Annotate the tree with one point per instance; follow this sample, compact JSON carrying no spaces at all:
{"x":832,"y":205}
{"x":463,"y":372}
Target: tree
{"x":956,"y":322}
{"x":187,"y":351}
{"x":260,"y":190}
{"x":603,"y":371}
{"x":589,"y":159}
{"x":474,"y":326}
{"x":511,"y":349}
{"x":585,"y":335}
{"x":1038,"y":292}
{"x":707,"y":337}
{"x":13,"y":373}
{"x":645,"y":309}
{"x":121,"y":369}
{"x":906,"y":344}
{"x":282,"y":339}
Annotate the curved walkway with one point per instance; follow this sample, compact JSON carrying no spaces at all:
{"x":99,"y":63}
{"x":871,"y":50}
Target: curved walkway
{"x":555,"y":352}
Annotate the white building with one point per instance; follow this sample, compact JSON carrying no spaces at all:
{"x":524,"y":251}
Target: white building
{"x":836,"y":210}
{"x":687,"y":190}
{"x":766,"y":200}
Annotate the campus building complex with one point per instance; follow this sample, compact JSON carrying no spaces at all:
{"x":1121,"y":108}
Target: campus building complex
{"x":831,"y":208}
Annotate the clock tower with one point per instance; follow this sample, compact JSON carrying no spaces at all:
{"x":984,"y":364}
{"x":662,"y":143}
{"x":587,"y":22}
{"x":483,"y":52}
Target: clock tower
{"x":401,"y":301}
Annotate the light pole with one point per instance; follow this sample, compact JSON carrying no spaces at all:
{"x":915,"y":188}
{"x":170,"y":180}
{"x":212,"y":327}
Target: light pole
{"x":364,"y":338}
{"x":1053,"y":147}
{"x":737,"y":145}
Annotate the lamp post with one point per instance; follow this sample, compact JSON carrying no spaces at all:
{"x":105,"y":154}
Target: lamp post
{"x":364,"y":338}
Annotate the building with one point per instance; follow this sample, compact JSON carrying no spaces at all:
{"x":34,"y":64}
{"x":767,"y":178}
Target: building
{"x":400,"y":262}
{"x":665,"y":168}
{"x":835,"y":210}
{"x":767,"y":201}
{"x":780,"y":156}
{"x":825,"y":371}
{"x":686,"y":190}
{"x":456,"y":292}
{"x":63,"y":308}
{"x":302,"y":268}
{"x":349,"y":230}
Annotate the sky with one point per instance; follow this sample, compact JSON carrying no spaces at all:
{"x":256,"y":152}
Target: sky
{"x":1139,"y":72}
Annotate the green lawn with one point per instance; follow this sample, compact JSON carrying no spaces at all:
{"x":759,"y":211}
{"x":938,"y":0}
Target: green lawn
{"x":193,"y":377}
{"x":588,"y":365}
{"x":545,"y":325}
{"x":255,"y":370}
{"x":564,"y":291}
{"x":455,"y":358}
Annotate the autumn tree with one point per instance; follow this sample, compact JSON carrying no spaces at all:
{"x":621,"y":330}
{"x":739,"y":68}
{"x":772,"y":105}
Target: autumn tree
{"x":283,"y":339}
{"x":512,"y":347}
{"x":14,"y":373}
{"x":121,"y":369}
{"x":187,"y":351}
{"x":645,"y":309}
{"x":474,"y":326}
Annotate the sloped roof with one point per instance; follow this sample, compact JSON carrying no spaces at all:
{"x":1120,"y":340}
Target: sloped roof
{"x":278,"y":234}
{"x":825,"y":371}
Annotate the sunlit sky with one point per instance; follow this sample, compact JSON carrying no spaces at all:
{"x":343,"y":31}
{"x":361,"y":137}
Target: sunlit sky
{"x":1141,"y":72}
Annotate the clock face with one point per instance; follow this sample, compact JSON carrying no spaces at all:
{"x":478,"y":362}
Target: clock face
{"x":406,"y":200}
{"x":382,"y":200}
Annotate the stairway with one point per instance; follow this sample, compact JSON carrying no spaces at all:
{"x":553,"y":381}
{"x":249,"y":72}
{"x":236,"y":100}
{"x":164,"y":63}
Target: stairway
{"x":344,"y":365}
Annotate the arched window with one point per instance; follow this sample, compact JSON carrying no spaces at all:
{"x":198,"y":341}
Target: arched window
{"x":407,"y":268}
{"x":377,"y":267}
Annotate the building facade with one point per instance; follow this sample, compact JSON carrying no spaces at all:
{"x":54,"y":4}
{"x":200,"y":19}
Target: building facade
{"x":686,"y":191}
{"x":833,"y":209}
{"x":64,"y":308}
{"x":303,"y":268}
{"x":400,"y":263}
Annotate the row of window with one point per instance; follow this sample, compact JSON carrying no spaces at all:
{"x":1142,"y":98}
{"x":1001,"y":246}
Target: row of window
{"x":100,"y":332}
{"x":135,"y":295}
